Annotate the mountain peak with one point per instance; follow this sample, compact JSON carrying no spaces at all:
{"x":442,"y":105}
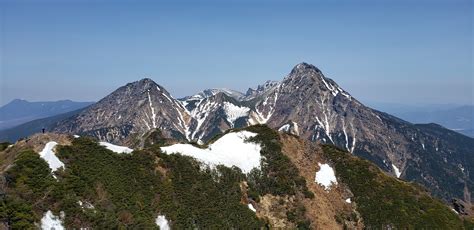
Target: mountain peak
{"x":144,"y":80}
{"x":303,"y":67}
{"x":145,"y":84}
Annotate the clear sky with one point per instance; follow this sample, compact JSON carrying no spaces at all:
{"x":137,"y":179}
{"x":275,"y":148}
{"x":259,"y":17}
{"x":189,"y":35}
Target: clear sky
{"x":399,"y":51}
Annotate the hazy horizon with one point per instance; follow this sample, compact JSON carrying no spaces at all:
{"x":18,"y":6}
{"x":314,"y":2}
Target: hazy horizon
{"x":405,"y":52}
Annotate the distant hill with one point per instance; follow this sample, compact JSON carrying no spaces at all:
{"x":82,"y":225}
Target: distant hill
{"x":454,"y":117}
{"x":35,"y":126}
{"x":21,"y":111}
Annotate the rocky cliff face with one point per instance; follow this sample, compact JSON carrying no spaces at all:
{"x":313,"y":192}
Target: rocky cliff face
{"x":314,"y":107}
{"x":305,"y":103}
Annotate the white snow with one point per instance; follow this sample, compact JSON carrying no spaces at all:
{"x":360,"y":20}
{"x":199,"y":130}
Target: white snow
{"x":454,"y":210}
{"x":235,"y":112}
{"x":230,"y":150}
{"x":396,"y":170}
{"x":287,"y":128}
{"x":162,"y":222}
{"x":251,"y":207}
{"x":200,"y":113}
{"x":297,"y":130}
{"x":51,"y":222}
{"x":76,"y":136}
{"x":116,"y":148}
{"x":48,"y":155}
{"x":85,"y":205}
{"x":423,"y":145}
{"x":345,"y":134}
{"x":169,"y":99}
{"x":348,"y":200}
{"x":284,"y":128}
{"x":325,"y":176}
{"x":153,"y":115}
{"x":335,"y":89}
{"x":353,"y":144}
{"x":261,"y":118}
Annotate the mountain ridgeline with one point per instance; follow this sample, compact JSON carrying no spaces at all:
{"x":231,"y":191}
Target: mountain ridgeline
{"x":305,"y":103}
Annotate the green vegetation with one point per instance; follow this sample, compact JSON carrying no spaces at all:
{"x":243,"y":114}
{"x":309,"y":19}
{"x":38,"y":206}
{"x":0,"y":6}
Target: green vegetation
{"x":122,"y":187}
{"x":17,"y":212}
{"x":195,"y":196}
{"x":385,"y":202}
{"x":125,"y":190}
{"x":128,"y":191}
{"x":30,"y":184}
{"x":278,"y":175}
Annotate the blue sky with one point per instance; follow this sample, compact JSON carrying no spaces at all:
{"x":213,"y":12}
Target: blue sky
{"x":380,"y":51}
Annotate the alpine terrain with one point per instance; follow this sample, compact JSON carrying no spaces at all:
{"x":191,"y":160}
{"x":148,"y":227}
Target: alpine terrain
{"x":304,"y":103}
{"x":303,"y":124}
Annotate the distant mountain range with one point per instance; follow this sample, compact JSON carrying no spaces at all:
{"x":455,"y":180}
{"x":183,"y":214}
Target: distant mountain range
{"x":306,"y":104}
{"x":21,"y":111}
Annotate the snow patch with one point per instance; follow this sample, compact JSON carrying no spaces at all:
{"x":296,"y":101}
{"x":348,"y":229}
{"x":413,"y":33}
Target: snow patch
{"x":48,"y":155}
{"x":230,"y":150}
{"x":284,"y":128}
{"x":348,"y":200}
{"x":162,"y":222}
{"x":153,"y":115}
{"x":396,"y":170}
{"x":454,"y":210}
{"x":325,"y":176}
{"x":288,"y":129}
{"x":345,"y":134}
{"x":169,"y":99}
{"x":235,"y":112}
{"x":261,"y":119}
{"x":85,"y":205}
{"x":297,"y":130}
{"x":251,"y":207}
{"x":76,"y":136}
{"x":335,"y":89}
{"x":116,"y":148}
{"x":51,"y":222}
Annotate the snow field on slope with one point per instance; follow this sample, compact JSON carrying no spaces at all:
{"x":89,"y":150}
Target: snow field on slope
{"x":325,"y":176}
{"x":116,"y":148}
{"x":162,"y":222}
{"x":48,"y":155}
{"x":50,"y":221}
{"x":396,"y":170}
{"x":235,"y":112}
{"x":230,"y":150}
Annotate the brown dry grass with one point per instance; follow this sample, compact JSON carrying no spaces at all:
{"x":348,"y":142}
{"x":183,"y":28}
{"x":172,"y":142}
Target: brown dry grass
{"x":326,"y":205}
